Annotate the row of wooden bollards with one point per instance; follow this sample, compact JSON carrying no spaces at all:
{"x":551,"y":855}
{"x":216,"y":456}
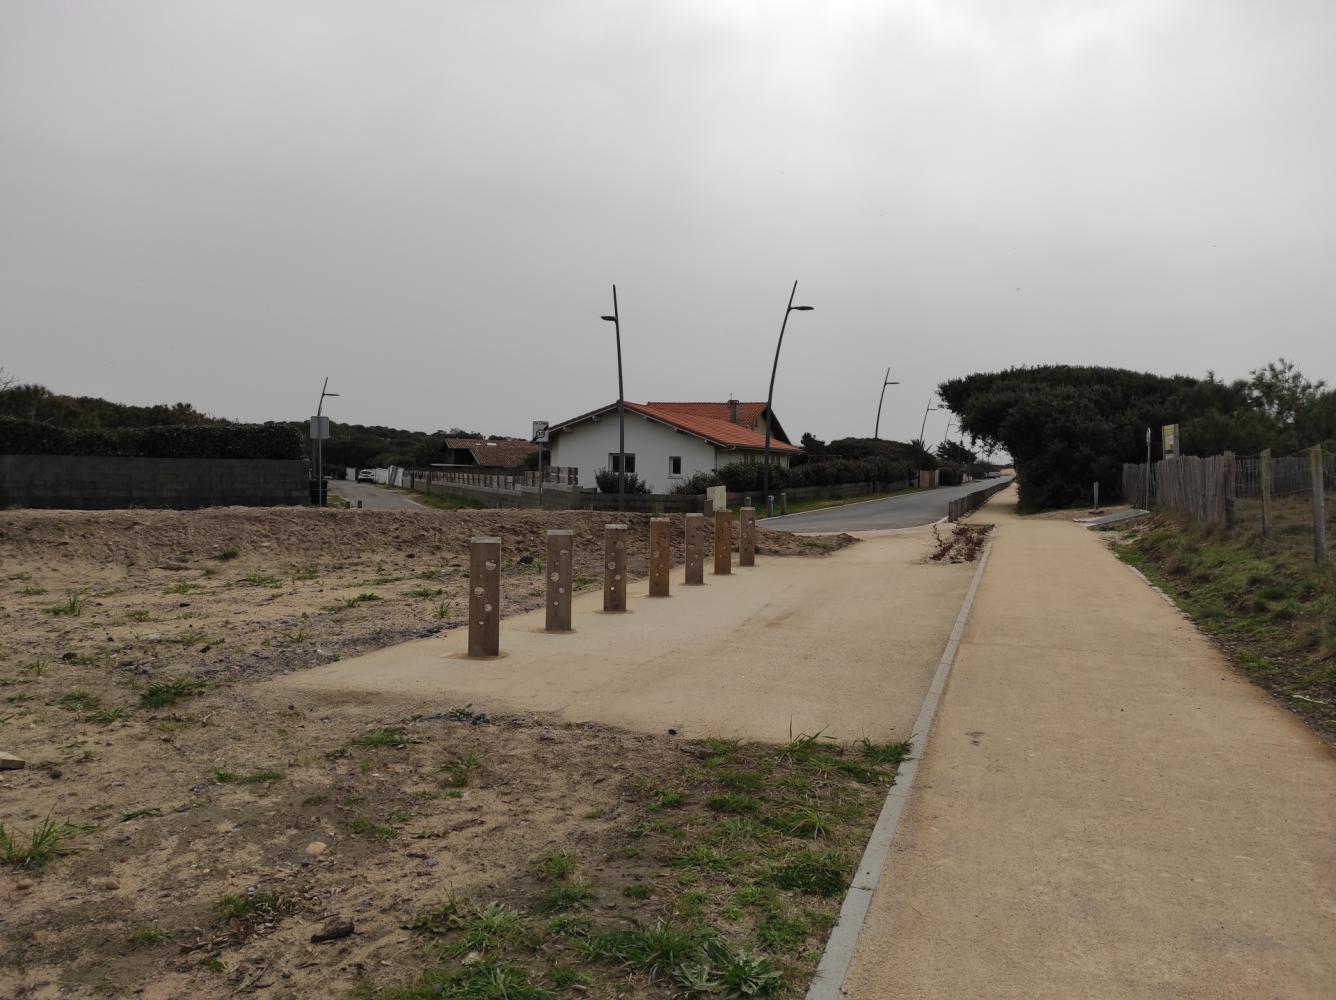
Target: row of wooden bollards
{"x":485,"y":570}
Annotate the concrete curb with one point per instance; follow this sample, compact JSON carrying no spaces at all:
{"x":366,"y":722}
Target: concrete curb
{"x":828,"y":983}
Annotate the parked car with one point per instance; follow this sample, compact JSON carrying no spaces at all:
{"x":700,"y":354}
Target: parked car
{"x":366,"y":476}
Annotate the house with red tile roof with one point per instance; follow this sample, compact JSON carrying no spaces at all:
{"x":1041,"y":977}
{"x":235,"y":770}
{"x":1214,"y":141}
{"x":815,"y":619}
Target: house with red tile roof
{"x":487,"y":453}
{"x":666,"y":443}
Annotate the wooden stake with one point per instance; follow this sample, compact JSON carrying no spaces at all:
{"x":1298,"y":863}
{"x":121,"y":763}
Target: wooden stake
{"x":485,"y":597}
{"x":560,"y":551}
{"x":614,"y":567}
{"x":660,"y":555}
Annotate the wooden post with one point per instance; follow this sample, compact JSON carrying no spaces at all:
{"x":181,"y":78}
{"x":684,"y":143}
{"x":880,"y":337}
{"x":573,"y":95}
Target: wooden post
{"x":783,"y":504}
{"x":614,"y":567}
{"x":1096,"y":494}
{"x":1319,"y":505}
{"x":770,"y":506}
{"x":695,"y":546}
{"x":1266,"y":493}
{"x":485,"y":596}
{"x":660,"y":555}
{"x":708,"y":506}
{"x":1227,"y":489}
{"x":560,"y":545}
{"x":747,"y":536}
{"x":723,"y":542}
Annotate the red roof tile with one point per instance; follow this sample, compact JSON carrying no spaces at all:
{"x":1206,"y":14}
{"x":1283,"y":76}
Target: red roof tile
{"x":749,"y":414}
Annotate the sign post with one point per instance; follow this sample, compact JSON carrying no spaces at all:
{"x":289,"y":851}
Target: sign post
{"x":540,"y":436}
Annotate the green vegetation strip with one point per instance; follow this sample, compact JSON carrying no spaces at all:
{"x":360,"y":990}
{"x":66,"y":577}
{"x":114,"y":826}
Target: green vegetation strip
{"x":736,"y":873}
{"x":1265,"y":600}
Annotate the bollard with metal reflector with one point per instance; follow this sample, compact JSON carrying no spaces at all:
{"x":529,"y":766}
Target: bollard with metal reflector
{"x":723,"y":542}
{"x":560,"y":551}
{"x":747,"y":536}
{"x":660,"y":556}
{"x":614,"y":567}
{"x":485,"y":596}
{"x":695,"y":549}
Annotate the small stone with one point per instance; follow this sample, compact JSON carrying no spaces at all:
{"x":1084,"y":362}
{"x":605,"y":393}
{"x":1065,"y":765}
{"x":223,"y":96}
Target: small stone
{"x":55,"y":773}
{"x":472,"y":958}
{"x":672,"y":732}
{"x":184,"y":807}
{"x":23,"y":886}
{"x":316,"y":848}
{"x":109,"y":883}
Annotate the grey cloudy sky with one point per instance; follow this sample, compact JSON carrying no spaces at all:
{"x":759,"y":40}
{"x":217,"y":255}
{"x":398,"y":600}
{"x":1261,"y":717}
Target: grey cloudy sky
{"x":222,"y":202}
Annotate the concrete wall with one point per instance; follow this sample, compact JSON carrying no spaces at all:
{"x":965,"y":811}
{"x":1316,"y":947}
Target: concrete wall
{"x":587,"y":446}
{"x":78,"y":482}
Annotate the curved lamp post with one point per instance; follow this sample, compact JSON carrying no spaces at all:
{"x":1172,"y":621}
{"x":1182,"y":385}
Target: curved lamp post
{"x":924,"y":426}
{"x":876,"y":433}
{"x":770,"y":398}
{"x":319,"y":448}
{"x":615,"y":320}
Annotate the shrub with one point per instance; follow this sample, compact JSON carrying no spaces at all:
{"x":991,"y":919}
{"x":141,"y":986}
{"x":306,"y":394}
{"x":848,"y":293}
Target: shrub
{"x":696,"y":484}
{"x":606,"y":480}
{"x":255,"y":441}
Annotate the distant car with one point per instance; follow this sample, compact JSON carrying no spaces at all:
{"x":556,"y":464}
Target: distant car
{"x":366,"y":476}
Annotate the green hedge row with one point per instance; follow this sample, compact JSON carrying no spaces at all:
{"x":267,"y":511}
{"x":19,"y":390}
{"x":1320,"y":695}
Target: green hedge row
{"x":263,"y":441}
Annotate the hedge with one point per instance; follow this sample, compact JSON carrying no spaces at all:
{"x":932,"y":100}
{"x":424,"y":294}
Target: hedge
{"x":255,"y":441}
{"x":742,"y":476}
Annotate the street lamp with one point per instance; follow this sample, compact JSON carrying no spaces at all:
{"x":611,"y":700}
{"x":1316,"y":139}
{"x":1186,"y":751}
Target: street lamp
{"x":876,"y":433}
{"x":769,"y":400}
{"x":320,"y":445}
{"x":924,"y":426}
{"x":615,"y":320}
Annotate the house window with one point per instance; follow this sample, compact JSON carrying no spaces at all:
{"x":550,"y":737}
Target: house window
{"x":630,"y":463}
{"x":674,"y":465}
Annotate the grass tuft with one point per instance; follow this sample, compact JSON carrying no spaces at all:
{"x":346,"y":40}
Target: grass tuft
{"x":45,"y":841}
{"x":163,"y":694}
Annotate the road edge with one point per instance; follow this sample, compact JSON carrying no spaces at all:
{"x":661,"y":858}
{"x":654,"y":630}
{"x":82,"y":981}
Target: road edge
{"x":828,"y":981}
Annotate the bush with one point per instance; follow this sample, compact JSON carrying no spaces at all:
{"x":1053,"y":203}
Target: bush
{"x":262,"y":441}
{"x":741,"y":477}
{"x":697,"y":484}
{"x":607,"y":482}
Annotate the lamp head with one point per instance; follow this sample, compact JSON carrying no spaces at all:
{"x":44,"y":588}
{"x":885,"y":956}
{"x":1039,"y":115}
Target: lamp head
{"x":610,"y":319}
{"x":801,"y":309}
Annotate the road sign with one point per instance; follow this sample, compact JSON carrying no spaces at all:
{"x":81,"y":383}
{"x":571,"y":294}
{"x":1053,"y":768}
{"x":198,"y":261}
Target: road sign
{"x":539,"y":431}
{"x":320,"y":428}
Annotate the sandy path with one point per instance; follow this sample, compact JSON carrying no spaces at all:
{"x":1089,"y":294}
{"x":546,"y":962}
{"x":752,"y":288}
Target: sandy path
{"x":1104,"y":809}
{"x":845,"y":644}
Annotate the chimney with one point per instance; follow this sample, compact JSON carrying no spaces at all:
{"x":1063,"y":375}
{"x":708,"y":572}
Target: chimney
{"x":732,"y":411}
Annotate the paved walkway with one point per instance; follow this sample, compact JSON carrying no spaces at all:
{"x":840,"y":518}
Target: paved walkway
{"x":1104,"y":809}
{"x":845,"y":644}
{"x":373,"y":497}
{"x":909,"y":510}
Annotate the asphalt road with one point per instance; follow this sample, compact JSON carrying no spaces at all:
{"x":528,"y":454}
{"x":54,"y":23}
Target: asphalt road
{"x":907,"y":511}
{"x":373,"y":497}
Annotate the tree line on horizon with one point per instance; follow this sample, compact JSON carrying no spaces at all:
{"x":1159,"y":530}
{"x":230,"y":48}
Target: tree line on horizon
{"x":1067,"y":427}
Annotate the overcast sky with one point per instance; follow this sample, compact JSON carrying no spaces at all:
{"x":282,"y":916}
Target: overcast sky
{"x":223,"y":202}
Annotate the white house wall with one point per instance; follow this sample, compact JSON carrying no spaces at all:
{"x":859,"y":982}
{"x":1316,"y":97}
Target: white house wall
{"x":586,"y":447}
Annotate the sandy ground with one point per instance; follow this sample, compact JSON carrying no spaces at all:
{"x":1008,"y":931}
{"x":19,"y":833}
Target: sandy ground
{"x":1105,"y":808}
{"x":173,"y":808}
{"x":843,"y":645}
{"x":232,"y":593}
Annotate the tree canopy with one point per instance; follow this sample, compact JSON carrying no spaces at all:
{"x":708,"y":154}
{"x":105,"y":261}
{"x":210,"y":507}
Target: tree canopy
{"x":1067,"y":427}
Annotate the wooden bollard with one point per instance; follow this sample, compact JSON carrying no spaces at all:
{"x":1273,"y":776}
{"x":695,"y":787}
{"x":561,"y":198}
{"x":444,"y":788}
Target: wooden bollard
{"x":614,"y":567}
{"x":660,"y":555}
{"x":485,"y":597}
{"x":723,"y":542}
{"x":560,"y":551}
{"x":783,"y":504}
{"x":747,"y":536}
{"x":707,"y":505}
{"x":695,"y":546}
{"x":770,"y":506}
